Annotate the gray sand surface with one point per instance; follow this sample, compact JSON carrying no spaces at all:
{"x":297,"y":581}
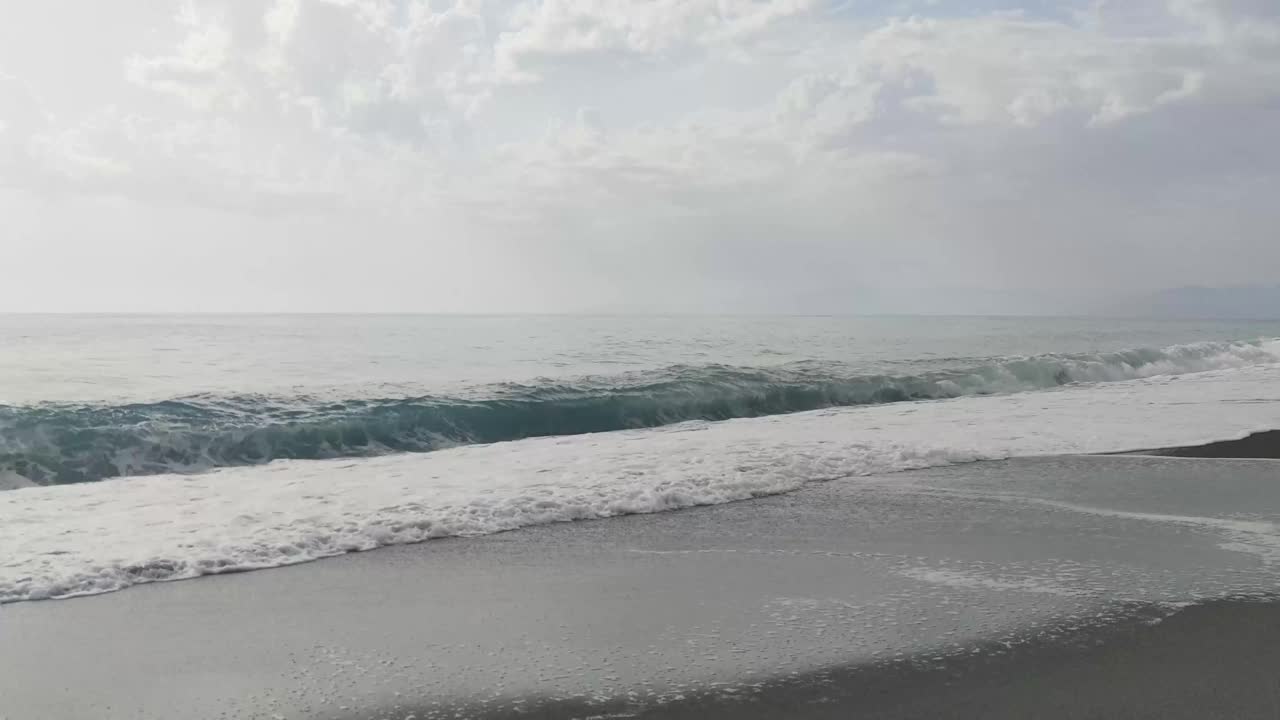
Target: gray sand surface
{"x":973,"y":590}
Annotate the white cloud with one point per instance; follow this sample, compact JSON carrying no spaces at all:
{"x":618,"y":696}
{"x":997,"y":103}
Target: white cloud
{"x":1009,"y":69}
{"x":556,"y":31}
{"x":944,"y":146}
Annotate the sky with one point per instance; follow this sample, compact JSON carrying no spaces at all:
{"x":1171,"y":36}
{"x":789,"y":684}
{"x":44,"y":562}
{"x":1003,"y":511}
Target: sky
{"x":790,"y":156}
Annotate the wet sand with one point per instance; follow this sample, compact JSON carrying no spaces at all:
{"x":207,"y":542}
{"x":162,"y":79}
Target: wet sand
{"x":1219,"y":661}
{"x":1257,"y":445}
{"x":1024,"y":588}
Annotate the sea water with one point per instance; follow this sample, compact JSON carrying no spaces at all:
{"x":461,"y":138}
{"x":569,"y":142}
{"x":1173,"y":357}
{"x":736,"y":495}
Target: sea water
{"x":136,"y":449}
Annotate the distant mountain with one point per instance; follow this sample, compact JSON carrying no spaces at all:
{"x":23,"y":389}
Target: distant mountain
{"x":1242,"y":302}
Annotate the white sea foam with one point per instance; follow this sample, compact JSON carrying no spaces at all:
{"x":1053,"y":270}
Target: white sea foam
{"x":13,"y":481}
{"x":83,"y":442}
{"x":96,"y":537}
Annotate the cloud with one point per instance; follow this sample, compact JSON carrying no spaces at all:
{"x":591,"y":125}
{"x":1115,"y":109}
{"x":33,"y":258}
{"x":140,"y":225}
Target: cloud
{"x":347,"y":77}
{"x":23,"y":115}
{"x":1013,"y":70}
{"x":643,"y":31}
{"x":748,"y":143}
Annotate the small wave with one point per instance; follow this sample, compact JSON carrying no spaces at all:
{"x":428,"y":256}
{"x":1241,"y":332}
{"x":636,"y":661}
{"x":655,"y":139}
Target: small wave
{"x":60,"y":443}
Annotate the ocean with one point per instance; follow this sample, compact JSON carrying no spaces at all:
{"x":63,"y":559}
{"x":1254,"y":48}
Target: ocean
{"x":136,"y":449}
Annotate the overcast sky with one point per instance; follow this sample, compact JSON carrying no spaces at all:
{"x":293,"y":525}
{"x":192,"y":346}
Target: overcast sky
{"x":634,"y":155}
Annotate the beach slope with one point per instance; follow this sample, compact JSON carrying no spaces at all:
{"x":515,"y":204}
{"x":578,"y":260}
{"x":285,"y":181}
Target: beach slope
{"x":1070,"y":587}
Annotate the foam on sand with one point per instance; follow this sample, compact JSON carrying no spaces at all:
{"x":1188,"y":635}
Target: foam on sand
{"x":97,"y":537}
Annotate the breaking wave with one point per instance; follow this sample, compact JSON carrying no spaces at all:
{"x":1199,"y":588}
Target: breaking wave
{"x":98,"y":537}
{"x":61,"y":443}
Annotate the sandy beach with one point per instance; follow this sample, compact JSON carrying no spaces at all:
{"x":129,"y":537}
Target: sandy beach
{"x":873,"y":597}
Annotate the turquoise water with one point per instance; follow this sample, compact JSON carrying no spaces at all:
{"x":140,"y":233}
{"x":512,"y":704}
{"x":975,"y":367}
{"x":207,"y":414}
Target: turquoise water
{"x":84,"y":398}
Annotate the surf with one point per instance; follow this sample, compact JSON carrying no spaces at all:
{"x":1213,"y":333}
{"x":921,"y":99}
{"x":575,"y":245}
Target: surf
{"x":51,"y":444}
{"x":102,"y":536}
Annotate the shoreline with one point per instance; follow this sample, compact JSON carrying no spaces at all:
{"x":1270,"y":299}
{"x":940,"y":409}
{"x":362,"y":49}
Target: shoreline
{"x":811,"y":604}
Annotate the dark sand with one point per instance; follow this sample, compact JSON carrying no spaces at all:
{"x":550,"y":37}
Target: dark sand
{"x":1257,"y":445}
{"x":966,"y":592}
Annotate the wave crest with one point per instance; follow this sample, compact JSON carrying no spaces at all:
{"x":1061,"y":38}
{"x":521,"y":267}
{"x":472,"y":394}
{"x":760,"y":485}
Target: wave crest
{"x":59,"y":443}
